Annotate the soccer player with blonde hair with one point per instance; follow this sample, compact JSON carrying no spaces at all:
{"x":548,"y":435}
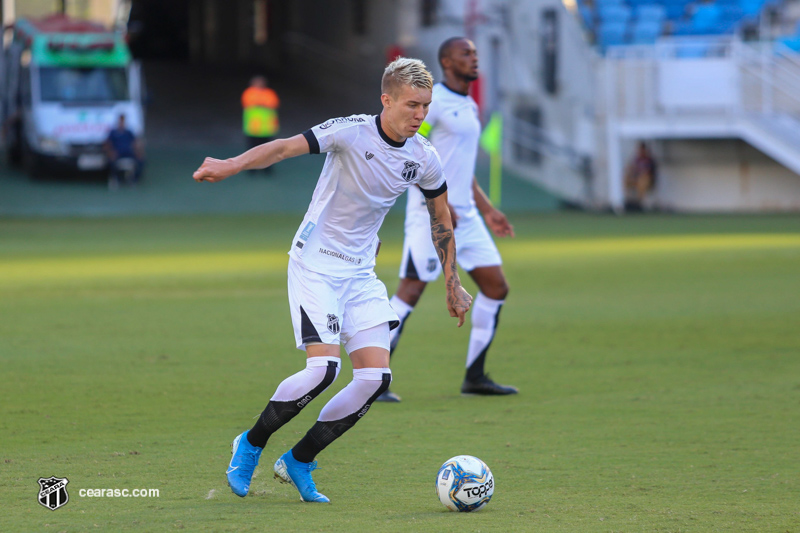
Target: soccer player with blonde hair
{"x":335,"y":297}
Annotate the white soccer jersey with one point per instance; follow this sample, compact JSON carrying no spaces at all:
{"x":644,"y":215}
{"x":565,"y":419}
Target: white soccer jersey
{"x":364,"y":173}
{"x":454,"y":130}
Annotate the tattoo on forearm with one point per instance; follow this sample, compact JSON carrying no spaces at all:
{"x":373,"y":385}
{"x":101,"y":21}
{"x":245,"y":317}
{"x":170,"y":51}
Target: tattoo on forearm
{"x":442,"y":238}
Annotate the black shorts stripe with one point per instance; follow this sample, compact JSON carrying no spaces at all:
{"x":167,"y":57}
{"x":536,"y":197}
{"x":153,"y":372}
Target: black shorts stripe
{"x":307,"y":329}
{"x":411,"y":270}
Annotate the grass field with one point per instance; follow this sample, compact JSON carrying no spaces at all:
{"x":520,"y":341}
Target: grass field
{"x":658,"y":360}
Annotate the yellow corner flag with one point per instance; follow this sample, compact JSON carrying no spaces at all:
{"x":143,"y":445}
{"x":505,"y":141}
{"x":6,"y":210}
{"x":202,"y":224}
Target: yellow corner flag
{"x":492,"y":141}
{"x":492,"y":135}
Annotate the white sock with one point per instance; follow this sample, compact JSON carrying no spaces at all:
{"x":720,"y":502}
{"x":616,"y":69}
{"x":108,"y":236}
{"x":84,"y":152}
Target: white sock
{"x":298,"y":385}
{"x":403,"y":310}
{"x":485,"y":313}
{"x":358,"y":395}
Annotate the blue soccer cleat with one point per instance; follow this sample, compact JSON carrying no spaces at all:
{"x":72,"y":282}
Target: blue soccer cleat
{"x":290,"y":470}
{"x":243,"y":463}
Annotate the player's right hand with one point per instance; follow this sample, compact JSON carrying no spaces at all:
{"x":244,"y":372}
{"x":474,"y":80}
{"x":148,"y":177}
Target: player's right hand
{"x":498,"y":223}
{"x":458,"y":303}
{"x":214,"y":170}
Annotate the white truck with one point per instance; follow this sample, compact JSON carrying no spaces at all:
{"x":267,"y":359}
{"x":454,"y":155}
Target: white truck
{"x":64,"y":84}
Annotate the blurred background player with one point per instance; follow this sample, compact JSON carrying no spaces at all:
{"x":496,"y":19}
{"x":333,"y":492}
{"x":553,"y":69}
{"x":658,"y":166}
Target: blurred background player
{"x":125,"y":154}
{"x":640,"y":177}
{"x":334,"y":295}
{"x":260,"y":106}
{"x":453,"y":127}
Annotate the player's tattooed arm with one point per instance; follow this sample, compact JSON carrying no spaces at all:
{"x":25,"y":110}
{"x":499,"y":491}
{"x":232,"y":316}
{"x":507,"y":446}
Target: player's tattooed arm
{"x":458,"y":299}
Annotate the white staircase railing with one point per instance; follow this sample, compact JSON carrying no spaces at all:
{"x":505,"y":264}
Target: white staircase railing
{"x":704,"y":87}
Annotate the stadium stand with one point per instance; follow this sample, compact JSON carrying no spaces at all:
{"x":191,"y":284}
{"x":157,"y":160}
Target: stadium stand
{"x":619,"y":22}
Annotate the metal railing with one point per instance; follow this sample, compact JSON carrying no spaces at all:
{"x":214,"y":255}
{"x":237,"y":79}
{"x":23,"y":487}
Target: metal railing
{"x":766,"y":77}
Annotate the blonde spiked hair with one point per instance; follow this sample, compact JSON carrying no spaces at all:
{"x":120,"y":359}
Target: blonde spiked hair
{"x":405,"y":71}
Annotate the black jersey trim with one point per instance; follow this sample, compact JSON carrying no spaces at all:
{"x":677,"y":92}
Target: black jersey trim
{"x":386,"y":138}
{"x":443,"y":84}
{"x":433,"y":194}
{"x":313,"y":143}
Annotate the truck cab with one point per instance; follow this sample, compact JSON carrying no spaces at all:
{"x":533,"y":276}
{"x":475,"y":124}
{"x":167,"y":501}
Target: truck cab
{"x":65,"y":84}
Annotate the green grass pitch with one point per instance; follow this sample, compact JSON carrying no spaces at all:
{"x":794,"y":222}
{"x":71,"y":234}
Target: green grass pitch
{"x":658,"y":360}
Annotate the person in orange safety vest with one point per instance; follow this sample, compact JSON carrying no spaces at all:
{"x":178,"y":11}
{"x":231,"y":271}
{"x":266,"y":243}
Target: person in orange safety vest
{"x":260,"y":105}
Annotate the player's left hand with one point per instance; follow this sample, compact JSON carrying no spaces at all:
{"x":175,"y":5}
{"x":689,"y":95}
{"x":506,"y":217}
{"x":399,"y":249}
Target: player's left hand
{"x":499,"y":224}
{"x":214,"y":170}
{"x":458,"y":303}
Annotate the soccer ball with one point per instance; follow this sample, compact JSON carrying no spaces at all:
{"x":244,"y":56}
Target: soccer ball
{"x":464,"y":483}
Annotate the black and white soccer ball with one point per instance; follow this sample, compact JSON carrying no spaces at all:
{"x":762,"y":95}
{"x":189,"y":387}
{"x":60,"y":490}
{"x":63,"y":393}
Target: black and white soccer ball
{"x":464,"y":483}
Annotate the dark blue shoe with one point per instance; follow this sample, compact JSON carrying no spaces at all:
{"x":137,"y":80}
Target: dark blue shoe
{"x":388,"y":397}
{"x":243,"y":463}
{"x":290,"y":470}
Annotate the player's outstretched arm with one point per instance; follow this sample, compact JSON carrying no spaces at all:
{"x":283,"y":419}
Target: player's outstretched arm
{"x":458,"y":299}
{"x":261,"y":156}
{"x":494,"y":218}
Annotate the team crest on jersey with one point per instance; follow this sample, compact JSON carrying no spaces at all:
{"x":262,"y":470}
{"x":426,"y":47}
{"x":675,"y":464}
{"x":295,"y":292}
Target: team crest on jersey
{"x":53,"y":492}
{"x":431,"y":265}
{"x":333,"y":324}
{"x":410,"y":170}
{"x":369,"y":155}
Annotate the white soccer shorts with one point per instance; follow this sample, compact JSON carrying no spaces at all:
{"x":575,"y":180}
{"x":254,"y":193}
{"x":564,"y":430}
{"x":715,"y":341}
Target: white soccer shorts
{"x":474,"y":247}
{"x":330,"y":310}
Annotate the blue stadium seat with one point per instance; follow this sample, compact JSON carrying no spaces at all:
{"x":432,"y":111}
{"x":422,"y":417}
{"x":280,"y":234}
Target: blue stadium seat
{"x":706,"y":18}
{"x":587,"y":16}
{"x":732,"y":11}
{"x":651,"y":12}
{"x":646,"y":32}
{"x":599,"y":4}
{"x":614,"y":14}
{"x":751,"y":7}
{"x":675,"y":9}
{"x":612,"y":33}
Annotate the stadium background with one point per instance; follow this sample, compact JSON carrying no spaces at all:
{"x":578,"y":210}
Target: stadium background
{"x":657,"y":353}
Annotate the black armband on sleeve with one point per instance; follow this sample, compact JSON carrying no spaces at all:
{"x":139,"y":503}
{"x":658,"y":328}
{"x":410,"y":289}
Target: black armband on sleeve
{"x":313,"y":143}
{"x":430,"y":195}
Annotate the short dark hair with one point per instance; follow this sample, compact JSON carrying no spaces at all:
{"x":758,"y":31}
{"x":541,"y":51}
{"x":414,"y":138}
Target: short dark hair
{"x":445,"y":47}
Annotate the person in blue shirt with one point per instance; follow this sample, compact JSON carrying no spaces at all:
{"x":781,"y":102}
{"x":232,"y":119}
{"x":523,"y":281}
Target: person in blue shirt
{"x":123,"y":149}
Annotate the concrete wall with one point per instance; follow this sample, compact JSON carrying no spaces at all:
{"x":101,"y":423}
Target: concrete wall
{"x":722,"y":175}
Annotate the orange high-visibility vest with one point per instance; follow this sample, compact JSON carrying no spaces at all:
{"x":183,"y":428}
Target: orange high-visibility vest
{"x":260,"y":112}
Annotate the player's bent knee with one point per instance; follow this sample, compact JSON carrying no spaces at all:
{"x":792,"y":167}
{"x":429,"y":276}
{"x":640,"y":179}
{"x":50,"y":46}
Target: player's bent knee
{"x":410,"y":290}
{"x":318,"y":349}
{"x":497,"y":291}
